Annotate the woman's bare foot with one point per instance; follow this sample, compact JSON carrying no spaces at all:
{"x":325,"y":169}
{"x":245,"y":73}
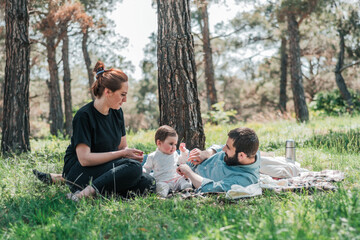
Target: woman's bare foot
{"x":87,"y":192}
{"x":57,"y":178}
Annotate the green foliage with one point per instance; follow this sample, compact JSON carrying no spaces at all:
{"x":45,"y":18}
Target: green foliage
{"x":31,"y":210}
{"x":219,"y":115}
{"x":145,"y":147}
{"x":146,"y":89}
{"x":332,"y":103}
{"x":342,"y":142}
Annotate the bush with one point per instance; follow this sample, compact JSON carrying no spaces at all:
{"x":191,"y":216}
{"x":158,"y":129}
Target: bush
{"x":218,"y":115}
{"x":332,"y":103}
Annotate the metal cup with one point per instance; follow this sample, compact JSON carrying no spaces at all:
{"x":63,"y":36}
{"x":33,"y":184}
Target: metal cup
{"x":290,"y":150}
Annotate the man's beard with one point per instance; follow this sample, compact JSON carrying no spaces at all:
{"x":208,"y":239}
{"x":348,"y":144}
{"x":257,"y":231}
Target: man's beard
{"x":231,"y":161}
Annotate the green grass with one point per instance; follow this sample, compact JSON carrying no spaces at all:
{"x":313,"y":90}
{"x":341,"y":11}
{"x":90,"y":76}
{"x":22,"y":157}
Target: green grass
{"x":31,"y":210}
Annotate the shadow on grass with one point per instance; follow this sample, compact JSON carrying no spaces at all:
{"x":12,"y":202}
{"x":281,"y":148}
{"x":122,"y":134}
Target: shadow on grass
{"x":35,"y":210}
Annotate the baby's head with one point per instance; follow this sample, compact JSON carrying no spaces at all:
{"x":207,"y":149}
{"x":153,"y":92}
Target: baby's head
{"x":166,"y":139}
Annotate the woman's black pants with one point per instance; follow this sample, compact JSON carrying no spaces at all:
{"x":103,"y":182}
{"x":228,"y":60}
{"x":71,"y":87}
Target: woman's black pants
{"x":120,"y":177}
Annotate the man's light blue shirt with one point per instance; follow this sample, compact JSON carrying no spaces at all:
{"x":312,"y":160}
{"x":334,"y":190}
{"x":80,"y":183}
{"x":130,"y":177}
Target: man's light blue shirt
{"x":219,"y":177}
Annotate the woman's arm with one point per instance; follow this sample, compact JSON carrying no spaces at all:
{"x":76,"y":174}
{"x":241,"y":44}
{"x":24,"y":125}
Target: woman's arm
{"x":88,"y":158}
{"x":123,"y":143}
{"x":123,"y":146}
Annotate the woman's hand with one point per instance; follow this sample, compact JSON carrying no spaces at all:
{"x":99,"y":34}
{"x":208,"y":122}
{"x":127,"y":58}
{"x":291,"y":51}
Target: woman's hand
{"x":132,"y":153}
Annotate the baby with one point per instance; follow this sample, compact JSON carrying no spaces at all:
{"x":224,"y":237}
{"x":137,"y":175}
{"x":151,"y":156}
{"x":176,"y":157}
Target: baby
{"x":165,"y":160}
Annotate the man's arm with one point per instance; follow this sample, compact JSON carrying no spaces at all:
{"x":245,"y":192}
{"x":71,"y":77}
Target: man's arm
{"x":207,"y":185}
{"x":186,"y":171}
{"x":197,"y":156}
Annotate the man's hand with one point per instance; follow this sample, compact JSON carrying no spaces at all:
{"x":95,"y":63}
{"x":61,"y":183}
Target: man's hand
{"x":197,"y":156}
{"x":184,"y":170}
{"x":133,"y":153}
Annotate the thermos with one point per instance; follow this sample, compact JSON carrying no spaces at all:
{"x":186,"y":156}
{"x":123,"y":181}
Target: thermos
{"x":290,"y":150}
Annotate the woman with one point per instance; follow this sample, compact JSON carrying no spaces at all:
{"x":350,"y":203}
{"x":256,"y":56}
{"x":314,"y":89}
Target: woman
{"x":98,"y":159}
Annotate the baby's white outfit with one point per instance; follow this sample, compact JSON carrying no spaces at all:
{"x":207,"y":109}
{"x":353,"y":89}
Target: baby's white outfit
{"x":164,"y":169}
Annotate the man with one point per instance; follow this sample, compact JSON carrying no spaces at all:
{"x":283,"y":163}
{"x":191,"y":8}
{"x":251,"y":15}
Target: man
{"x":214,"y":170}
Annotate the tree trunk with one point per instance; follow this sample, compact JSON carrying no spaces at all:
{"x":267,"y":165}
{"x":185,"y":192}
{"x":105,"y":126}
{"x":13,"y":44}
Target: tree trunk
{"x":209,"y":67}
{"x":283,"y":75}
{"x":56,"y":114}
{"x":340,"y":82}
{"x":301,"y":109}
{"x":16,"y":126}
{"x":67,"y":85}
{"x":178,"y":98}
{"x":87,"y":60}
{"x":310,"y":87}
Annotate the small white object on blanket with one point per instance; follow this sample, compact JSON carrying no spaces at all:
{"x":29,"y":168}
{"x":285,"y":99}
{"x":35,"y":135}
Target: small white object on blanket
{"x":268,"y":182}
{"x":252,"y":190}
{"x":280,"y":168}
{"x":238,"y":191}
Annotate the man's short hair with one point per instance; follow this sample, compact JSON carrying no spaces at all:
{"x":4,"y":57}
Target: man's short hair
{"x":245,"y":140}
{"x":163,"y":132}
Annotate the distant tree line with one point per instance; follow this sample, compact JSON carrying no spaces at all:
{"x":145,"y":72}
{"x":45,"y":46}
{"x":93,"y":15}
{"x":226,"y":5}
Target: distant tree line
{"x":304,"y":39}
{"x":314,"y":43}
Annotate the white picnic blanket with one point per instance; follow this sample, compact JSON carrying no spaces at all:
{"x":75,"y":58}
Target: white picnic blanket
{"x":289,"y":177}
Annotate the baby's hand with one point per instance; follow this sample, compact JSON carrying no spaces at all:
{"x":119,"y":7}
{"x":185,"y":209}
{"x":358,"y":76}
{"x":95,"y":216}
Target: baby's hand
{"x":182,"y":147}
{"x":183,"y":154}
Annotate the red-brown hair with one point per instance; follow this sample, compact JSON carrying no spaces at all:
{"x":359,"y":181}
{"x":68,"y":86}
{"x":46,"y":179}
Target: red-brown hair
{"x":110,"y":78}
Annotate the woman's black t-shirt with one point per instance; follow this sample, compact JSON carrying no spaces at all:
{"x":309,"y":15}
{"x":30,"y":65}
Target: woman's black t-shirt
{"x":102,"y":133}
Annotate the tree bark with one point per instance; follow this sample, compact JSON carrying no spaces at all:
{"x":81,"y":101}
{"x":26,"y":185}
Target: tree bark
{"x":87,"y":60}
{"x":56,"y":113}
{"x":178,"y":98}
{"x":301,"y":110}
{"x":67,"y":85}
{"x":209,"y":66}
{"x":340,"y":82}
{"x":16,"y":126}
{"x":283,"y":75}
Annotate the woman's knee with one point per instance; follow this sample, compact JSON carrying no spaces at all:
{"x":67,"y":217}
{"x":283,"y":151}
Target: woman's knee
{"x":135,"y":166}
{"x":131,"y":168}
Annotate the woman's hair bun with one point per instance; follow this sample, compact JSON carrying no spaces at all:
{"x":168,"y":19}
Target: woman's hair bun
{"x":99,"y":66}
{"x":110,"y":78}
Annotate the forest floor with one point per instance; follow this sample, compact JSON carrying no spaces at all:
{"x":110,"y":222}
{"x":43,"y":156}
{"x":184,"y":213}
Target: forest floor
{"x":32,"y":210}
